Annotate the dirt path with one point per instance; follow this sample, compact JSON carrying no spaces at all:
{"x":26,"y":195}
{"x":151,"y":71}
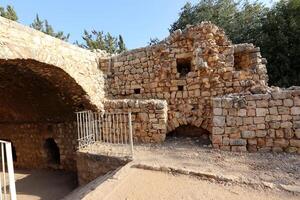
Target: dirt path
{"x":144,"y":185}
{"x":186,"y":154}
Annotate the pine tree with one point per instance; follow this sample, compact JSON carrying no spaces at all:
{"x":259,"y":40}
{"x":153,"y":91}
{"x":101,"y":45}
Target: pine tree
{"x":121,"y":45}
{"x":8,"y":13}
{"x":153,"y":41}
{"x":99,"y":40}
{"x":45,"y":27}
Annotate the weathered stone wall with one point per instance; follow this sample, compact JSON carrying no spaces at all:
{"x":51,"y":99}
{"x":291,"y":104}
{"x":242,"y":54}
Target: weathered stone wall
{"x":90,"y":166}
{"x":153,"y":72}
{"x":149,"y":117}
{"x":260,"y":122}
{"x":29,"y":144}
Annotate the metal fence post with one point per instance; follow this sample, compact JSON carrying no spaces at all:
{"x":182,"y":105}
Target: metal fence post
{"x":10,"y":169}
{"x":130,"y":133}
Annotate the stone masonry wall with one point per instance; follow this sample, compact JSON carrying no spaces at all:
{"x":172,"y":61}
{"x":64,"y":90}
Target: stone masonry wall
{"x":155,"y":72}
{"x":90,"y":166}
{"x":260,"y":122}
{"x":149,"y":117}
{"x":29,"y":140}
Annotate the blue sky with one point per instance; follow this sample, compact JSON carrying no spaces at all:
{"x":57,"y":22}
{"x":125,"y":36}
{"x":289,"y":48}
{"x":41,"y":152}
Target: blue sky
{"x":135,"y":20}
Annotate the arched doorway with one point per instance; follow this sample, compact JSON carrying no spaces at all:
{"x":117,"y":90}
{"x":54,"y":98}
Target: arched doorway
{"x":197,"y":134}
{"x":52,"y":152}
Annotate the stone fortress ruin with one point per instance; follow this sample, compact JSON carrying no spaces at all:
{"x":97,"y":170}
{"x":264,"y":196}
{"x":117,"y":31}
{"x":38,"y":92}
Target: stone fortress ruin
{"x":194,"y":82}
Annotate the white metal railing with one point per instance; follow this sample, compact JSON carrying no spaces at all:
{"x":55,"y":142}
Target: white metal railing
{"x":7,"y":179}
{"x":105,"y":132}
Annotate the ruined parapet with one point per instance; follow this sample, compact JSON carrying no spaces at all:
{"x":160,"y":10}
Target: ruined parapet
{"x":247,"y":57}
{"x":257,"y":122}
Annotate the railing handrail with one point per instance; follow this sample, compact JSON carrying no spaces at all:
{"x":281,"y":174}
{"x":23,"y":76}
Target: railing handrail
{"x":105,"y":128}
{"x":6,"y":152}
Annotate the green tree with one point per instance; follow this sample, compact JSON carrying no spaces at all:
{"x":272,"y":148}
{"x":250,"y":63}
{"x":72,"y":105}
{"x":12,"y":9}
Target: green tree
{"x":8,"y":13}
{"x":280,"y":43}
{"x":121,"y":45}
{"x":99,"y":40}
{"x":239,"y":19}
{"x":153,"y":41}
{"x":45,"y":27}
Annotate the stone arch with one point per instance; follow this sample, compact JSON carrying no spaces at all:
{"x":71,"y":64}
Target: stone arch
{"x":39,"y":101}
{"x":18,"y":42}
{"x":184,"y":126}
{"x":36,"y":92}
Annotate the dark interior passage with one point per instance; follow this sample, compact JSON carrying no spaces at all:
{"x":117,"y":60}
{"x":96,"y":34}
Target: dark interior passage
{"x":198,"y":133}
{"x":52,"y":152}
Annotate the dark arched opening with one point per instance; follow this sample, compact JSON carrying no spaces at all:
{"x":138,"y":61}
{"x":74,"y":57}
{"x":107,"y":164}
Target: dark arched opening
{"x":52,"y":152}
{"x":198,"y":134}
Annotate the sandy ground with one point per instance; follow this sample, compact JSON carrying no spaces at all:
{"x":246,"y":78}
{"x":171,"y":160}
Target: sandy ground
{"x":43,"y":184}
{"x":243,"y":175}
{"x":144,"y":185}
{"x":189,"y":154}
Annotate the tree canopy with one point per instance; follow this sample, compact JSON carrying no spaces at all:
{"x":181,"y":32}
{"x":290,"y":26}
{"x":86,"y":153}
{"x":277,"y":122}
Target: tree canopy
{"x":100,"y":40}
{"x":8,"y":13}
{"x":239,"y":19}
{"x":280,"y":43}
{"x":45,"y":27}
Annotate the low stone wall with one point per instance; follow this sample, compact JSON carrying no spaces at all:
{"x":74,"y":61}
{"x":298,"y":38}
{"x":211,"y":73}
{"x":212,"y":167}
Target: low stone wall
{"x":149,"y":117}
{"x":91,"y":166}
{"x":261,"y":122}
{"x":29,"y":139}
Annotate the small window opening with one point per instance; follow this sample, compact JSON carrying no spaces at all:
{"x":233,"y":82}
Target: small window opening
{"x":52,"y":151}
{"x":180,"y":87}
{"x":81,"y":107}
{"x":183,"y":66}
{"x":137,"y":91}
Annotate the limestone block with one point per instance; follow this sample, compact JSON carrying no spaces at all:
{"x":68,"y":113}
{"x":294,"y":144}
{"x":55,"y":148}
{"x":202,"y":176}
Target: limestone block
{"x":238,"y":142}
{"x":288,"y":102}
{"x":261,"y":112}
{"x":295,"y":143}
{"x":281,"y":143}
{"x":217,"y":111}
{"x":248,"y":134}
{"x":219,"y":121}
{"x":261,"y":133}
{"x":295,"y":110}
{"x":217,"y":131}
